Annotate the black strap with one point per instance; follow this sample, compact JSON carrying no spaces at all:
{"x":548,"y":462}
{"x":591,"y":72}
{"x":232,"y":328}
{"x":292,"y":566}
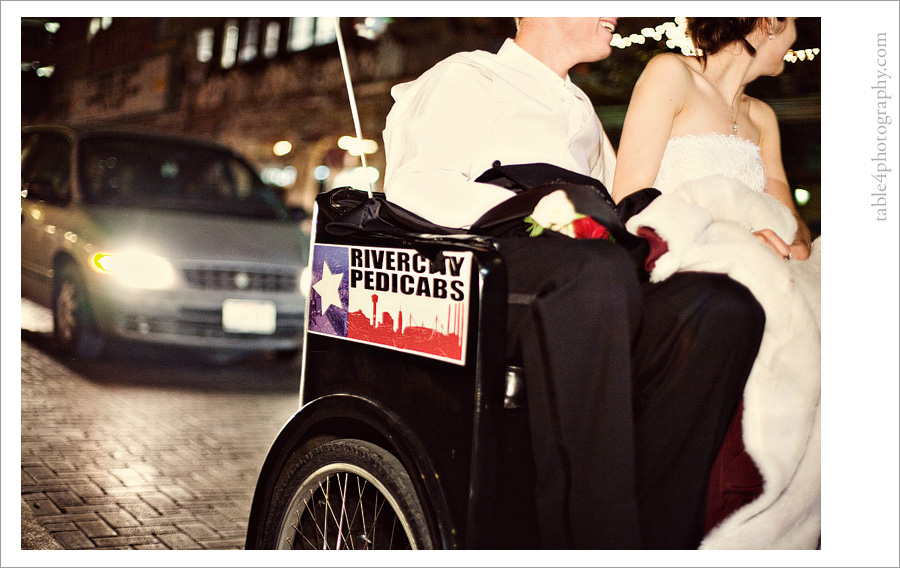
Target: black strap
{"x":523,"y":177}
{"x":531,"y":182}
{"x":351,"y":211}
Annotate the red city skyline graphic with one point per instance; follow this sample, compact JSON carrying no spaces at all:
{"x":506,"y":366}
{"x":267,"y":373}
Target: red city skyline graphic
{"x":403,"y":301}
{"x":440,"y":340}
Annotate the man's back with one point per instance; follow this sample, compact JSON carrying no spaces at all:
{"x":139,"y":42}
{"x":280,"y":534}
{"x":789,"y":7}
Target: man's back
{"x":473,"y":109}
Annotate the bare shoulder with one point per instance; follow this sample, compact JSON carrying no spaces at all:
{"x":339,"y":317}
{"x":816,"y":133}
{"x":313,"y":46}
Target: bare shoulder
{"x":667,"y":76}
{"x":670,"y":66}
{"x":763,"y":116}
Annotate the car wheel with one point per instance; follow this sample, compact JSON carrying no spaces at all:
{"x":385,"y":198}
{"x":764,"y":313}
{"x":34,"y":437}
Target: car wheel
{"x":74,"y":331}
{"x":345,"y":494}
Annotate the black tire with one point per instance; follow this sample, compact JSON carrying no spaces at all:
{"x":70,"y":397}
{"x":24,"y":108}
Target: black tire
{"x":345,"y":494}
{"x":74,"y":331}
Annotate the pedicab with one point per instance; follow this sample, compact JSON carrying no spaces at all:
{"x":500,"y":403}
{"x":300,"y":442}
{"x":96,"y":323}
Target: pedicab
{"x":411,"y":431}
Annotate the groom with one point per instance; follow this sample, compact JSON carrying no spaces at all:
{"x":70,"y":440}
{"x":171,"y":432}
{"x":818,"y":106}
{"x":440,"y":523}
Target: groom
{"x":630,"y":386}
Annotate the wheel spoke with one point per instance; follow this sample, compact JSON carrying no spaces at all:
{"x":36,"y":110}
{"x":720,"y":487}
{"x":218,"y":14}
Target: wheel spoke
{"x":375,"y":515}
{"x":393,"y":530}
{"x":298,"y":526}
{"x":361,"y":511}
{"x":330,"y":511}
{"x":378,"y":509}
{"x":340,"y":527}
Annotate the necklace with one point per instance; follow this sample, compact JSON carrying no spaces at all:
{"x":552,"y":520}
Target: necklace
{"x":734,"y":124}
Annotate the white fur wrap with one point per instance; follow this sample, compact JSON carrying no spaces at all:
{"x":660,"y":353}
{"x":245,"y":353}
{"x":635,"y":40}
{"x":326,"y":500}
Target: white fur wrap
{"x":707,"y":225}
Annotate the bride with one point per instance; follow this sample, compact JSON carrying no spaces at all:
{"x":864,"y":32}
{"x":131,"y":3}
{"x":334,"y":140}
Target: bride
{"x":715,"y":155}
{"x":689,"y":116}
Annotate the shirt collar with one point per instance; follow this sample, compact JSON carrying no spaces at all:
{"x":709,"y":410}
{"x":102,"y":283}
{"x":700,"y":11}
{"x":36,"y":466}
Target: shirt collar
{"x":517,"y":58}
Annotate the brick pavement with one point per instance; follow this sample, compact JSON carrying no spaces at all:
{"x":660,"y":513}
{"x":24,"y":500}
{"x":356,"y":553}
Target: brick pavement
{"x":110,"y":465}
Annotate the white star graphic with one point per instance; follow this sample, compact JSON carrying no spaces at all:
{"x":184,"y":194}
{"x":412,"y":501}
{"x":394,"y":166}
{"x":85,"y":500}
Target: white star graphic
{"x":327,"y":288}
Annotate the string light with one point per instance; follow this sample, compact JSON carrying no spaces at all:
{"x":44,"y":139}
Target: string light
{"x":794,"y":55}
{"x":676,"y":38}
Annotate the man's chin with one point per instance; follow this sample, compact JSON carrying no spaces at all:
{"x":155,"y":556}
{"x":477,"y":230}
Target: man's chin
{"x":602,"y":53}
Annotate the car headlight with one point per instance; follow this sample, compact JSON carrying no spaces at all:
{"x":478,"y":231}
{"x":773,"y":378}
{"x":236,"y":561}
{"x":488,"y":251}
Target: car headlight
{"x":136,"y":269}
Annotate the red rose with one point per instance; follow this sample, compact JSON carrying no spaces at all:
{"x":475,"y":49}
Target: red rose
{"x":588,"y":228}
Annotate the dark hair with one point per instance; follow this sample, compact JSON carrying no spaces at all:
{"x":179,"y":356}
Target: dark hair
{"x":710,"y":35}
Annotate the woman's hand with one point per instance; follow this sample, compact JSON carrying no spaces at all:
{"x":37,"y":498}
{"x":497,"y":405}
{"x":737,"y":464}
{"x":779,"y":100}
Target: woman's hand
{"x":796,"y":251}
{"x":799,"y":251}
{"x":774,"y":242}
{"x":801,"y":248}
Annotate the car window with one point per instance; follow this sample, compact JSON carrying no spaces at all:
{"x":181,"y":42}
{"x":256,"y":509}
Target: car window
{"x":45,"y":167}
{"x":29,"y":142}
{"x":165,"y":174}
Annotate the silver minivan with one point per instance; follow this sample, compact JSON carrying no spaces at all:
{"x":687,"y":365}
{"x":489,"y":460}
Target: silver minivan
{"x":157,"y":238}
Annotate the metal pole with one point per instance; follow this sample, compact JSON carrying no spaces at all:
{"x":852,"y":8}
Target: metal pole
{"x":353,"y":110}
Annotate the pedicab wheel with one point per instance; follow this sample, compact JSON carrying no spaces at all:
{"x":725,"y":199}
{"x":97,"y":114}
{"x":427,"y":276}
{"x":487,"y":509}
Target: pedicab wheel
{"x":346,"y":494}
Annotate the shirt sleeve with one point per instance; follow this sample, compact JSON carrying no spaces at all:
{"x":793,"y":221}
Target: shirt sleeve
{"x":605,"y":168}
{"x":436,"y":136}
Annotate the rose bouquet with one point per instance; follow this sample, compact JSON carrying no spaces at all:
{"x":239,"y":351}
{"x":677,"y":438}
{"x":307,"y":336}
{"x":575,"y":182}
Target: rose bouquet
{"x":555,"y":212}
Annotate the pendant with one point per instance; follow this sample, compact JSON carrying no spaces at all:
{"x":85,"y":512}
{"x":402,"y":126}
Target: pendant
{"x":734,"y":127}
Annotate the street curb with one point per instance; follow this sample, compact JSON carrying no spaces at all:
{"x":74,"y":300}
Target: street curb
{"x":35,"y":536}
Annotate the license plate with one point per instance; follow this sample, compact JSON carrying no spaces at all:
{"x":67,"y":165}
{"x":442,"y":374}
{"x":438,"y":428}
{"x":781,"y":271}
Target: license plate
{"x":248,"y":316}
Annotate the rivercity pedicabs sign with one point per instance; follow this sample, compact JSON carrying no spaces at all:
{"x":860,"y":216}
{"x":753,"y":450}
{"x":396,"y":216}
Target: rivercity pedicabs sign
{"x":393,"y":298}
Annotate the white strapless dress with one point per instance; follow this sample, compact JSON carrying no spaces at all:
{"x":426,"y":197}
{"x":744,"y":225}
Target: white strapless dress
{"x":692,"y":157}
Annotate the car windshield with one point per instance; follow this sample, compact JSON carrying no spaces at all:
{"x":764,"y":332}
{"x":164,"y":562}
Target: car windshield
{"x":168,"y":174}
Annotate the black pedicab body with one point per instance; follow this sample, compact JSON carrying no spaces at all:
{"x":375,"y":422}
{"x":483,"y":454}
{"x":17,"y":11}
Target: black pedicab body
{"x":419,"y":441}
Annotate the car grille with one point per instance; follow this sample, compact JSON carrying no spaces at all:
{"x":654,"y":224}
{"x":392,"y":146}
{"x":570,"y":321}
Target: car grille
{"x":207,"y":323}
{"x":219,"y":279}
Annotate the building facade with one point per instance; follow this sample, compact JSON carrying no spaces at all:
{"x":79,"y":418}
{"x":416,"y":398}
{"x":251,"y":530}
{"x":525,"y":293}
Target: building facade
{"x":273,"y":88}
{"x":250,"y":83}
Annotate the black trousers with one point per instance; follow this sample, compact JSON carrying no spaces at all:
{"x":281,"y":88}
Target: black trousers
{"x":630,"y":388}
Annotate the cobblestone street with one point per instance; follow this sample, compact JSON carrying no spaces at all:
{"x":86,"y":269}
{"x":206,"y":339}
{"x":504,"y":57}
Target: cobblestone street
{"x":136,"y":452}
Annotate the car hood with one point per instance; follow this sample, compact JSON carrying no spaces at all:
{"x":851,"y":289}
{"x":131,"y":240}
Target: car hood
{"x":199,"y":237}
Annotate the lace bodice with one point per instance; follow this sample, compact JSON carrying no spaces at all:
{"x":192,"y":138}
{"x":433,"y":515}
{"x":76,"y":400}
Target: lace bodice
{"x":697,"y":156}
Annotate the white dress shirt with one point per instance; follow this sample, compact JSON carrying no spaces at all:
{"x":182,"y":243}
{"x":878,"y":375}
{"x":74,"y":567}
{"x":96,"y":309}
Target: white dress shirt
{"x":449,"y":126}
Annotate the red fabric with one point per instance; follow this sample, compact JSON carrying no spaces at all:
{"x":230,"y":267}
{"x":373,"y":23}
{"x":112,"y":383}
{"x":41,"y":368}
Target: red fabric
{"x":734,"y":480}
{"x":588,"y":228}
{"x":658,"y":246}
